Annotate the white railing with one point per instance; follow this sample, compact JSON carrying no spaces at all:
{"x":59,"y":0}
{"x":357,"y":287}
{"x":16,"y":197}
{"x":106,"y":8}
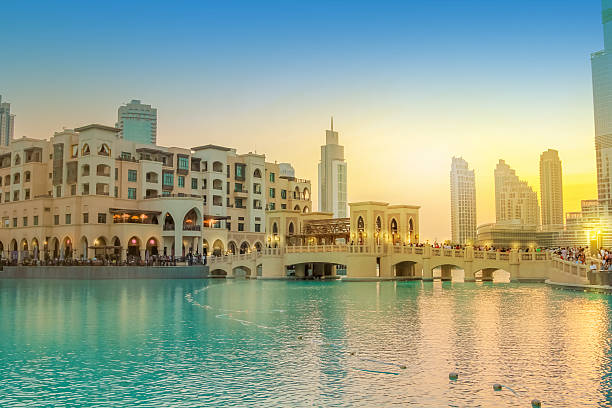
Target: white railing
{"x":570,"y":267}
{"x":231,"y":258}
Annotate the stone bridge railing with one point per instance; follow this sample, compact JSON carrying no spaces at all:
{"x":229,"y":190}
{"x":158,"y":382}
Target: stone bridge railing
{"x":579,"y":271}
{"x":228,"y":259}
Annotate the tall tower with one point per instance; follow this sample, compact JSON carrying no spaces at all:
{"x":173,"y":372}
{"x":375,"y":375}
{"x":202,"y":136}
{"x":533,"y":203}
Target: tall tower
{"x":332,"y":176}
{"x":138,"y":122}
{"x":601,"y":65}
{"x":515,"y":201}
{"x":463,"y":202}
{"x":7,"y":123}
{"x":551,"y":188}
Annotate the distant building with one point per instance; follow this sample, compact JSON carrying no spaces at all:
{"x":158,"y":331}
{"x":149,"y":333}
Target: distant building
{"x":137,"y":122}
{"x":463,"y":202}
{"x":7,"y":123}
{"x":551,"y":189}
{"x":515,"y":235}
{"x":601,"y":64}
{"x":515,"y":201}
{"x":333,"y":176}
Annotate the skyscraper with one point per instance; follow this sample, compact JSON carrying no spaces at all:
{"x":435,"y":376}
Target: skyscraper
{"x":463,"y":202}
{"x":138,"y":122}
{"x":332,"y":176}
{"x":601,"y":64}
{"x":551,"y":188}
{"x":7,"y":123}
{"x":515,"y":201}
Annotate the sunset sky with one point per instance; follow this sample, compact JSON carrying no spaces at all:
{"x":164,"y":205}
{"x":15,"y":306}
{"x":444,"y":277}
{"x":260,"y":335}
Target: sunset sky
{"x":409,"y":83}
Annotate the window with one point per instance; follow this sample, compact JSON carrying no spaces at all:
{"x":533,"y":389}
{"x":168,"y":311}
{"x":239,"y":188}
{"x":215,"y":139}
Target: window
{"x":7,"y":196}
{"x":272,"y":177}
{"x":74,"y":151}
{"x":240,"y":170}
{"x":126,"y":155}
{"x":85,"y":218}
{"x":58,"y":191}
{"x":16,"y":195}
{"x":16,"y":178}
{"x":17,"y":159}
{"x":283,"y":206}
{"x":284,"y":194}
{"x":85,"y":170}
{"x":204,"y":184}
{"x":240,"y":226}
{"x":272,"y":206}
{"x":104,"y":150}
{"x":15,"y":222}
{"x":27,"y":194}
{"x":56,"y":219}
{"x":181,"y":181}
{"x":116,"y":173}
{"x":168,"y":179}
{"x":27,"y":176}
{"x":85,"y":151}
{"x":131,"y":193}
{"x":183,"y":163}
{"x":194,"y":183}
{"x":25,"y":221}
{"x":238,"y":187}
{"x":132,"y":175}
{"x":35,"y":220}
{"x":68,"y":219}
{"x":73,"y":189}
{"x":272,"y":193}
{"x":101,"y":218}
{"x":257,"y":227}
{"x":85,"y":190}
{"x":257,"y":188}
{"x":116,"y":191}
{"x":238,"y":203}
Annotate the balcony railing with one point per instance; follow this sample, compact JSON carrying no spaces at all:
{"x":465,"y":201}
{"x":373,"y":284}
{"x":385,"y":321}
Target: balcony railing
{"x":191,"y":227}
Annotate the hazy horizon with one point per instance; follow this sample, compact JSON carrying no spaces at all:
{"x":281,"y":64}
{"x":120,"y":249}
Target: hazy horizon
{"x":409,"y":85}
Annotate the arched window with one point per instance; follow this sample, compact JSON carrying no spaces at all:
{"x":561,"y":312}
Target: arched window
{"x":218,"y":167}
{"x":16,"y":178}
{"x":103,"y":170}
{"x":296,"y":208}
{"x":395,"y":239}
{"x":217,"y":184}
{"x":291,"y":228}
{"x":17,"y":159}
{"x":306,"y":209}
{"x":244,"y":247}
{"x":28,"y":176}
{"x":104,"y":150}
{"x":360,"y":224}
{"x":257,"y":173}
{"x":274,"y":229}
{"x":85,"y":150}
{"x":306,"y":194}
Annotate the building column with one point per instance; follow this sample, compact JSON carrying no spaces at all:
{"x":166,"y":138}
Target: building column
{"x":300,"y":271}
{"x":178,"y":245}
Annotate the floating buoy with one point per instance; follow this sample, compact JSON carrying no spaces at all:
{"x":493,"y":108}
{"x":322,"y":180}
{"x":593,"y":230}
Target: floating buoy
{"x":453,"y":376}
{"x":300,"y":338}
{"x":535,"y":403}
{"x":352,"y":353}
{"x":402,"y":367}
{"x":497,"y":387}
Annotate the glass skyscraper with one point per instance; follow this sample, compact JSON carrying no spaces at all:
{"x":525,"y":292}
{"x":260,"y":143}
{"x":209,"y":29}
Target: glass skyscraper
{"x":7,"y":123}
{"x":138,"y":122}
{"x":601,"y":63}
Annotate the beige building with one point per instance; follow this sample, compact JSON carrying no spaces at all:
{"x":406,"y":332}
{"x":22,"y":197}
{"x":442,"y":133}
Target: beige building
{"x":551,"y":189}
{"x":515,"y":201}
{"x":88,"y":193}
{"x":463,"y":202}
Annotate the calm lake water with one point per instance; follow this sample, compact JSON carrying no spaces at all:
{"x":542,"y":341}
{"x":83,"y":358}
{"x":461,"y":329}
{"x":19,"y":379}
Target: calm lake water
{"x":274,"y":343}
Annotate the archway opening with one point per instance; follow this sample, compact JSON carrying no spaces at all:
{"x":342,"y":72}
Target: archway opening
{"x":408,"y":269}
{"x":168,"y":222}
{"x":218,"y":248}
{"x":244,"y":247}
{"x":395,"y":238}
{"x":152,"y":247}
{"x":133,"y":250}
{"x":448,"y":272}
{"x":232,"y":248}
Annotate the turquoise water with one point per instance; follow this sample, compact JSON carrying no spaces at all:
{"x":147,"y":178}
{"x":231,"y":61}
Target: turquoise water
{"x":273,"y":343}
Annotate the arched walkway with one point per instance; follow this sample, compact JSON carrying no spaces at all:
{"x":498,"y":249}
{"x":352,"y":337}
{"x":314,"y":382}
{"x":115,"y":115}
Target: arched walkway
{"x":152,"y":248}
{"x":218,"y":248}
{"x":244,"y":247}
{"x":133,"y":249}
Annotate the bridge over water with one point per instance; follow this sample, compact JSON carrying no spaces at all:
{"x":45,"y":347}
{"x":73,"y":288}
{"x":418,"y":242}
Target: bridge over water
{"x":363,"y":262}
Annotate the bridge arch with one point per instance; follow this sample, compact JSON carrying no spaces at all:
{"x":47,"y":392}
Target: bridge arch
{"x":407,"y":268}
{"x":493,"y":274}
{"x":241,"y":271}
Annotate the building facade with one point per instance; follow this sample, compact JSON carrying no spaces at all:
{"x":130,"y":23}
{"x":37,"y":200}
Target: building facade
{"x":89,"y":193}
{"x":7,"y":123}
{"x":463,"y":202}
{"x":333,"y":176}
{"x":515,"y":201}
{"x":551,"y":189}
{"x":601,"y":65}
{"x":137,"y":122}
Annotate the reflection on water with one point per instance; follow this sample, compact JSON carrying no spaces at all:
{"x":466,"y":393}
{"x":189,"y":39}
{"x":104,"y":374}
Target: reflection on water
{"x":216,"y":343}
